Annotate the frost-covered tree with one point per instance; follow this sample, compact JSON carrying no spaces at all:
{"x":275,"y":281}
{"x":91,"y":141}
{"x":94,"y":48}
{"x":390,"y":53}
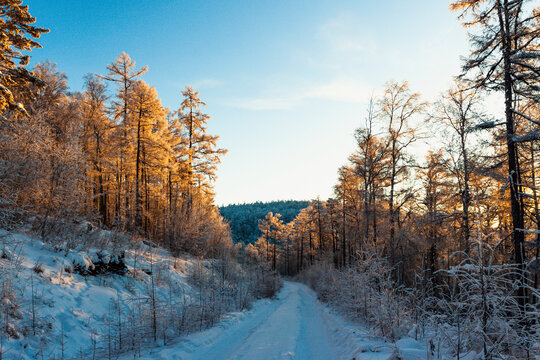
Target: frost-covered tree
{"x":436,"y":192}
{"x":147,"y":113}
{"x":458,"y":111}
{"x":199,"y":151}
{"x":371,"y":164}
{"x":398,"y":107}
{"x":122,"y":72}
{"x":505,"y":57}
{"x":97,"y":128}
{"x":272,"y":229}
{"x":17,"y":34}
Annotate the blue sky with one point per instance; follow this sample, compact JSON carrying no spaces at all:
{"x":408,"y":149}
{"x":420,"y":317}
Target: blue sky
{"x":286,"y":82}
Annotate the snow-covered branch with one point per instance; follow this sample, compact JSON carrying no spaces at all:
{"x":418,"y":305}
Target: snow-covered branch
{"x":537,"y":122}
{"x":486,"y":125}
{"x":531,"y":136}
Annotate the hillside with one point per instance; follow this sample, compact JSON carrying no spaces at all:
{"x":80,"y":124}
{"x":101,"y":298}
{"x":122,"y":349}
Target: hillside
{"x":109,"y":295}
{"x":244,"y":218}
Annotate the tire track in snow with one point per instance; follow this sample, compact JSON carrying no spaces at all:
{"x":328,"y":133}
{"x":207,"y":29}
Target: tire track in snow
{"x":315,"y":341}
{"x":262,"y":335}
{"x":294,"y":326}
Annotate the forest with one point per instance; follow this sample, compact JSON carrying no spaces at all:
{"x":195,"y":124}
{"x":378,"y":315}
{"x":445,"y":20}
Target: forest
{"x":106,"y":189}
{"x":124,"y":161}
{"x":244,"y":218}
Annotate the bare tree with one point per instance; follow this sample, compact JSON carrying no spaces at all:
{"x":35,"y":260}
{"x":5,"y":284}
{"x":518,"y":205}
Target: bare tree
{"x":398,"y":106}
{"x":458,"y":110}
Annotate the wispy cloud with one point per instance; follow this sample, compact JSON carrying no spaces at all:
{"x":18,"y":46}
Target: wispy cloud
{"x":341,"y":90}
{"x":338,"y":90}
{"x":207,"y":83}
{"x":342,"y":47}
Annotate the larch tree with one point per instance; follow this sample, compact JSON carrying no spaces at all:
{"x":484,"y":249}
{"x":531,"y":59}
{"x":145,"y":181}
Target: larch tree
{"x":530,"y":166}
{"x":398,"y":107}
{"x":58,"y":115}
{"x":147,"y":112}
{"x":17,"y":34}
{"x":157,"y":158}
{"x":97,"y":128}
{"x":319,"y":214}
{"x":458,"y":111}
{"x":371,"y":164}
{"x":435,"y":181}
{"x":122,"y":72}
{"x":333,"y":210}
{"x":272,"y":231}
{"x":346,"y":191}
{"x":505,"y":57}
{"x":301,"y":227}
{"x":200,"y":152}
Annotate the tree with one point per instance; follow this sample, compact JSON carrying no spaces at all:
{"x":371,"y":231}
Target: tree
{"x":42,"y":167}
{"x":333,"y":219}
{"x":123,"y":73}
{"x":346,"y":190}
{"x":505,"y":58}
{"x":318,"y":213}
{"x":529,"y":167}
{"x":15,"y":27}
{"x":97,"y":127}
{"x":198,"y":149}
{"x":147,"y":112}
{"x":397,"y":107}
{"x":436,"y":193}
{"x":272,"y":232}
{"x":300,"y":226}
{"x":371,"y":164}
{"x":458,"y":111}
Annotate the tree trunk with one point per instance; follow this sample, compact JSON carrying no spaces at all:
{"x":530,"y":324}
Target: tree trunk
{"x":518,"y":236}
{"x":466,"y":196}
{"x":343,"y":233}
{"x":138,"y":200}
{"x":302,"y":251}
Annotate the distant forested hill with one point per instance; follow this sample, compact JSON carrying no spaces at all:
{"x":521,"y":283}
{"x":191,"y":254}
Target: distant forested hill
{"x":244,"y":218}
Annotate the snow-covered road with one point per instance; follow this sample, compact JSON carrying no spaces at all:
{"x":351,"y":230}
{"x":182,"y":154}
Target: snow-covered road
{"x":291,"y":328}
{"x":294,"y":326}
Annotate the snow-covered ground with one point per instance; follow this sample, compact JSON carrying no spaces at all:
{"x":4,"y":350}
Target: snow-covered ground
{"x":55,"y":312}
{"x":293,"y":326}
{"x":70,"y":313}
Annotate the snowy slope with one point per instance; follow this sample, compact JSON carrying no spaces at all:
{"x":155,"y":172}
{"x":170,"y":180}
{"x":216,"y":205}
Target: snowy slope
{"x":76,"y":315}
{"x":294,"y":326}
{"x":70,"y":313}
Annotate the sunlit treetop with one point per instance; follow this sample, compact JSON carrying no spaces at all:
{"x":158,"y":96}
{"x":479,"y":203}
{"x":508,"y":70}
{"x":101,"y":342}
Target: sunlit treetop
{"x":505,"y":45}
{"x":16,"y":35}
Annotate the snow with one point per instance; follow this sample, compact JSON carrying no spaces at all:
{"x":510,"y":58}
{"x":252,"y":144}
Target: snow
{"x":65,"y":300}
{"x":293,"y":326}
